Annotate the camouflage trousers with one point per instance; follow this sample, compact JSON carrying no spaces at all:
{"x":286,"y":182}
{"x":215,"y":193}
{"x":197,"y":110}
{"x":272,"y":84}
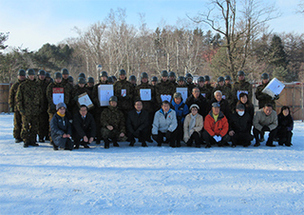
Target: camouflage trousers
{"x":106,"y":133}
{"x":49,"y":130}
{"x":17,"y":125}
{"x":29,"y":128}
{"x":43,"y":121}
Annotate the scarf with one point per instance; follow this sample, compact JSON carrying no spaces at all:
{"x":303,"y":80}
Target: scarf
{"x":59,"y":114}
{"x":192,"y":123}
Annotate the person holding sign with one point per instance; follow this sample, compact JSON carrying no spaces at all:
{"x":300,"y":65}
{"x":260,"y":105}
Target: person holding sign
{"x":241,"y":86}
{"x":124,"y":91}
{"x":264,"y":98}
{"x":78,"y":90}
{"x":112,"y":123}
{"x":165,"y":89}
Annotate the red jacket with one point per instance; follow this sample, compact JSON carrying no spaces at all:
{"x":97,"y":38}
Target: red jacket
{"x":216,"y":128}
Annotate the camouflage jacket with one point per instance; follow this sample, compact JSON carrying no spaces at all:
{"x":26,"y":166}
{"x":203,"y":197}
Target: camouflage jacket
{"x":29,"y":98}
{"x":240,"y":86}
{"x":206,"y":91}
{"x":263,"y":98}
{"x":12,"y":94}
{"x":75,"y":93}
{"x":124,"y":91}
{"x":147,"y":105}
{"x":114,"y":117}
{"x":164,"y":88}
{"x":190,"y":88}
{"x":225,"y":91}
{"x":43,"y":85}
{"x":49,"y":95}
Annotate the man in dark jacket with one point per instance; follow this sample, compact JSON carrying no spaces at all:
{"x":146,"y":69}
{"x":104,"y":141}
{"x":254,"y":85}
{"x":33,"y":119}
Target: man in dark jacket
{"x":84,"y":128}
{"x":197,"y":98}
{"x":240,"y":127}
{"x":61,"y":129}
{"x":138,"y":124}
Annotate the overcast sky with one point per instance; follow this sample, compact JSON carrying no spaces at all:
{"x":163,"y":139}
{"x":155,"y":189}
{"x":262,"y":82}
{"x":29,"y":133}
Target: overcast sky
{"x":32,"y":23}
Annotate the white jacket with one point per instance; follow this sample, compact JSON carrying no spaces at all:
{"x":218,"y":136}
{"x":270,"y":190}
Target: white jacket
{"x":160,"y":123}
{"x":199,"y":123}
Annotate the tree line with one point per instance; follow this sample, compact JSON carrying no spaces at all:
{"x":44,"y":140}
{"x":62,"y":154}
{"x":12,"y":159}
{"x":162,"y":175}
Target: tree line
{"x":244,"y":44}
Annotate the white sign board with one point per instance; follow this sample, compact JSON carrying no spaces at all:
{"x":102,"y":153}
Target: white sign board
{"x":58,"y":95}
{"x":84,"y":99}
{"x":274,"y":87}
{"x":105,"y":91}
{"x":183,"y":91}
{"x":165,"y":97}
{"x":145,"y":94}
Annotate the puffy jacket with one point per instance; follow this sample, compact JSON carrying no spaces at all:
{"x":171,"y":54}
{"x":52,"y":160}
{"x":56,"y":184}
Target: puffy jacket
{"x":160,"y":123}
{"x":199,"y":123}
{"x":59,"y":126}
{"x":260,"y":119}
{"x":220,"y":127}
{"x":181,"y":110}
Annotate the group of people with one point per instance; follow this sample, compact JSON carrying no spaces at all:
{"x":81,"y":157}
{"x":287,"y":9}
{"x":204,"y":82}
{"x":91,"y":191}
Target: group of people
{"x":222,"y":115}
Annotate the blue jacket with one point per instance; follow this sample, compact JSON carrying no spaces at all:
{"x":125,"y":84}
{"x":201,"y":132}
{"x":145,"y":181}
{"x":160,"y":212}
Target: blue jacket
{"x":181,"y":110}
{"x":60,"y":126}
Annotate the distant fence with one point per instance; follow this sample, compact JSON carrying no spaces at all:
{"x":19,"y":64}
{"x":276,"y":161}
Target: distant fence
{"x":292,"y":96}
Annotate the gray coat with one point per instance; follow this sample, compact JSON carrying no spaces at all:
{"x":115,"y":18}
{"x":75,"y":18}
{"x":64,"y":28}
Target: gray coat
{"x":160,"y":123}
{"x":260,"y":119}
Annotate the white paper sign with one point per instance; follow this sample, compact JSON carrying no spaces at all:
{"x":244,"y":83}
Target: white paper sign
{"x":123,"y":92}
{"x":145,"y":94}
{"x":239,"y":92}
{"x":58,"y":95}
{"x":84,"y":99}
{"x":183,"y":91}
{"x":105,"y":91}
{"x":274,"y":87}
{"x":203,"y":94}
{"x":165,"y":97}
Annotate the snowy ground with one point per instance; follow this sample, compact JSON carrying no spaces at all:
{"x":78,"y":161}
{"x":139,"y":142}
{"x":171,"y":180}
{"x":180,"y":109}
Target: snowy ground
{"x":38,"y":180}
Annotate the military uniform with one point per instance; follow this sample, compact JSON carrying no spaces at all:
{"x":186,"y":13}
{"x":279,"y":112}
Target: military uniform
{"x":206,"y":91}
{"x":69,"y":89}
{"x":29,"y":100}
{"x":190,"y":87}
{"x":239,"y":87}
{"x":17,"y":115}
{"x":114,"y":117}
{"x":227,"y":95}
{"x":43,"y":119}
{"x":124,"y":91}
{"x":264,"y":98}
{"x":164,"y":88}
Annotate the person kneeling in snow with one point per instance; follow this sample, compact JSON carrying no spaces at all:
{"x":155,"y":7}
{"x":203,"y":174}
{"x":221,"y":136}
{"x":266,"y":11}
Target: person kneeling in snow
{"x":284,"y":129}
{"x":216,"y":127}
{"x":84,"y":127}
{"x":193,"y":126}
{"x":61,"y":129}
{"x":164,"y":124}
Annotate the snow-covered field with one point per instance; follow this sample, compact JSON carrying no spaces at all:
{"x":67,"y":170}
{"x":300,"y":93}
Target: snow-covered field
{"x":38,"y":180}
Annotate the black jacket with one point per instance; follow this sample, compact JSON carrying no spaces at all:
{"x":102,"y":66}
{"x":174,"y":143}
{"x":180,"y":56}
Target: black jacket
{"x":240,"y":124}
{"x":201,"y":102}
{"x":137,"y":123}
{"x":84,"y":127}
{"x":224,"y":106}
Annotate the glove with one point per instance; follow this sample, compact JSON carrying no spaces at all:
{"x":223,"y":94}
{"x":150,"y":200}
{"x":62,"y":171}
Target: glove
{"x":265,"y":128}
{"x":276,"y":97}
{"x":11,"y":109}
{"x":168,"y":135}
{"x":216,"y":138}
{"x":219,"y":138}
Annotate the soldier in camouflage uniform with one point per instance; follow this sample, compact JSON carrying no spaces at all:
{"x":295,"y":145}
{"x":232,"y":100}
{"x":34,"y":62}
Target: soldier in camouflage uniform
{"x":124,"y":91}
{"x":241,"y":86}
{"x":154,"y":81}
{"x":132,"y":80}
{"x":112,"y":123}
{"x":172,"y":78}
{"x":226,"y":92}
{"x":49,"y":94}
{"x":264,"y":98}
{"x":90,"y":85}
{"x":43,"y":116}
{"x":190,"y":84}
{"x":48,"y":78}
{"x":207,"y":88}
{"x":13,"y":108}
{"x":228,"y":82}
{"x":165,"y":87}
{"x":149,"y":106}
{"x":29,"y":99}
{"x":69,"y":89}
{"x":78,"y":90}
{"x":103,"y":79}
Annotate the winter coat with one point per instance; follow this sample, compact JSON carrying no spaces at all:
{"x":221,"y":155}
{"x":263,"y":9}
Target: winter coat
{"x":224,"y":106}
{"x":12,"y":94}
{"x":95,"y":98}
{"x":241,"y":86}
{"x":181,"y":110}
{"x":199,"y":123}
{"x":74,"y":99}
{"x":201,"y":102}
{"x":59,"y":126}
{"x":240,"y":124}
{"x":160,"y":123}
{"x":147,"y":105}
{"x":164,"y":88}
{"x":43,"y":85}
{"x":84,"y":127}
{"x":126,"y":102}
{"x":49,"y":95}
{"x":29,"y":98}
{"x":220,"y":127}
{"x":263,"y":98}
{"x":207,"y":91}
{"x":285,"y":123}
{"x":114,"y":117}
{"x":260,"y":119}
{"x":137,"y":123}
